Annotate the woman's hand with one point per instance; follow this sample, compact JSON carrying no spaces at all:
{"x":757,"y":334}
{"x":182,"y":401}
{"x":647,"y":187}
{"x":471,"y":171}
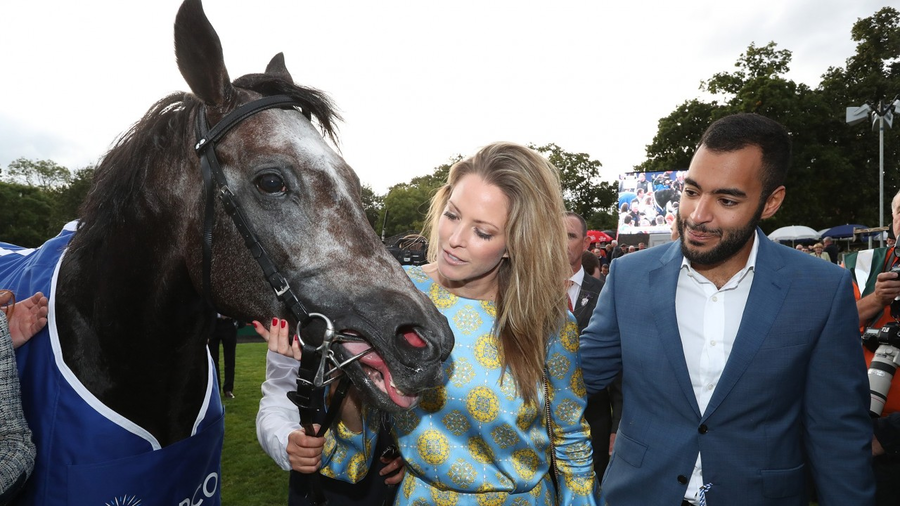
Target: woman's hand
{"x":305,"y":452}
{"x":277,"y":337}
{"x":28,"y":317}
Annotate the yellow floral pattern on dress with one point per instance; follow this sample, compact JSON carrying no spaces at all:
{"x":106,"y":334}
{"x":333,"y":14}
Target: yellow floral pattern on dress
{"x":473,"y":440}
{"x":526,"y":415}
{"x":444,"y":497}
{"x":569,"y":336}
{"x":480,"y":451}
{"x":462,"y":373}
{"x":483,"y":404}
{"x":462,"y":473}
{"x":526,"y":462}
{"x":433,"y":447}
{"x":576,"y":384}
{"x":456,"y":422}
{"x":467,"y":321}
{"x":441,"y":298}
{"x":486,"y":352}
{"x":433,"y":399}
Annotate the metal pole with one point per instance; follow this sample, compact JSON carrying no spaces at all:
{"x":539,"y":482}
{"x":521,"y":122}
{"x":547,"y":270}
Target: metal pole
{"x":881,"y":176}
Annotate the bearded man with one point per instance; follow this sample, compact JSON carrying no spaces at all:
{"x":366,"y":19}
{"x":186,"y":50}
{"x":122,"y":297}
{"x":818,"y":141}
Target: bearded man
{"x":744,"y":373}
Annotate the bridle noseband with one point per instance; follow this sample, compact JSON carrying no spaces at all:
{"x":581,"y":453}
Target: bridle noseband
{"x":319,"y":366}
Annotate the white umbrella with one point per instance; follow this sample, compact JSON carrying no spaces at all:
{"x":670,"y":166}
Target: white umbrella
{"x":793,"y":233}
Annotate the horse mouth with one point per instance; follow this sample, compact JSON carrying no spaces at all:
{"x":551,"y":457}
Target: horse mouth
{"x":379,"y":375}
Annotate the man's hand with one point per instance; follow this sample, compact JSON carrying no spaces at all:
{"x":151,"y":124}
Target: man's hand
{"x":887,"y":287}
{"x":305,"y":452}
{"x":28,"y":317}
{"x":876,"y":447}
{"x":395,"y":467}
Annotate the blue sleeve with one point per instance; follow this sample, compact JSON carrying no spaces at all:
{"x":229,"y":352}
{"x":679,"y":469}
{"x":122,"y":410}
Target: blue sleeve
{"x":838,"y":430}
{"x":601,"y":348}
{"x":571,"y":433}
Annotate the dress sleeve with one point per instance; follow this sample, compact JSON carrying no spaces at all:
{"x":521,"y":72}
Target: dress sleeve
{"x":571,"y":433}
{"x":348,"y":455}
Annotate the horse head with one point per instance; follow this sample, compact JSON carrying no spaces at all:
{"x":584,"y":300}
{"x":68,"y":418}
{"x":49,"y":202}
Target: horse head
{"x":304,"y":203}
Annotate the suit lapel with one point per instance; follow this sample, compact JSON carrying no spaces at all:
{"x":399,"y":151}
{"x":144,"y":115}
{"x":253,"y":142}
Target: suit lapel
{"x":664,"y":280}
{"x":764,"y":302}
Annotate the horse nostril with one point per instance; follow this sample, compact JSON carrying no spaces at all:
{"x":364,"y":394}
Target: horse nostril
{"x":412,"y":337}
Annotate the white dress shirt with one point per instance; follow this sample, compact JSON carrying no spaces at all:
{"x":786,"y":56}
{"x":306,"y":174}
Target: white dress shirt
{"x":575,"y":286}
{"x":708,"y":321}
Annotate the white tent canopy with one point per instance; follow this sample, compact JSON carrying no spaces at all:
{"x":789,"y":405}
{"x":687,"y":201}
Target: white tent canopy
{"x":793,"y":233}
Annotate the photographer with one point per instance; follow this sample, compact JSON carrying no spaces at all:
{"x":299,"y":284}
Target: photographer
{"x":874,"y":307}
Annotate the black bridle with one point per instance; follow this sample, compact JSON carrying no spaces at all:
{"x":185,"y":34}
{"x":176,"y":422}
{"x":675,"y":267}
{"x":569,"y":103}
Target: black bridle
{"x":319,"y":366}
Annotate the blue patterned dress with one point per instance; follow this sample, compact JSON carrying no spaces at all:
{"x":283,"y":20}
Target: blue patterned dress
{"x":473,"y":440}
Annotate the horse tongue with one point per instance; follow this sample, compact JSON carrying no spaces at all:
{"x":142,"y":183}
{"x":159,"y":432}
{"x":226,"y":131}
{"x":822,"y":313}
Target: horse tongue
{"x":375,"y":361}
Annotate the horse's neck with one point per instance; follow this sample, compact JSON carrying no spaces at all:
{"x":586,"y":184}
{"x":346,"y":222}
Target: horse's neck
{"x":134,"y":333}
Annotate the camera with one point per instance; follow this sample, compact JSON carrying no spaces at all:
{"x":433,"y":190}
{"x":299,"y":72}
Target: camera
{"x":885,"y":343}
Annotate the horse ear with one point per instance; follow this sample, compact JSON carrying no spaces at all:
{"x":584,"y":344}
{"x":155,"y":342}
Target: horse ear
{"x":199,"y":55}
{"x":277,"y":68}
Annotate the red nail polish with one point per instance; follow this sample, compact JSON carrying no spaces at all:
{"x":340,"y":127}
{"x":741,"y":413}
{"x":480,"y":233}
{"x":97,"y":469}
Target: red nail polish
{"x":254,"y":323}
{"x":274,"y":322}
{"x":283,"y":323}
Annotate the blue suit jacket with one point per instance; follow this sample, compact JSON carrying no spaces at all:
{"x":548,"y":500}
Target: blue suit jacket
{"x":793,"y":394}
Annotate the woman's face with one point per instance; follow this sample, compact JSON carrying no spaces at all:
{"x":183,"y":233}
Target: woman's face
{"x":472,"y":235}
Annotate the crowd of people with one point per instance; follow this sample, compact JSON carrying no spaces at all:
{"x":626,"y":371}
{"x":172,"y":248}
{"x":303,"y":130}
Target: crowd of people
{"x":718,"y":369}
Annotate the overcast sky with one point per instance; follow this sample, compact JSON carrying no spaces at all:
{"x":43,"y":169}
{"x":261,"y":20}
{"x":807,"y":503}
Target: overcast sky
{"x":416,"y":82}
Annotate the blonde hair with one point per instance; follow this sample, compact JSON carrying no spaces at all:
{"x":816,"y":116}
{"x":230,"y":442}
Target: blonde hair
{"x":531,"y":288}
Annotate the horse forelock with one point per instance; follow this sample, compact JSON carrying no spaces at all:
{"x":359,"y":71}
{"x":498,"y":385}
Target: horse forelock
{"x":313,"y":101}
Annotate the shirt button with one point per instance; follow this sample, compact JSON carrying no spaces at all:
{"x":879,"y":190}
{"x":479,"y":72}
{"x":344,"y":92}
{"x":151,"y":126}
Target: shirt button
{"x":712,"y":343}
{"x":710,"y":386}
{"x":715,"y":299}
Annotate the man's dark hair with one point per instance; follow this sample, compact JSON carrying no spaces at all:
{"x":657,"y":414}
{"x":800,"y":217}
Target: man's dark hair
{"x":580,"y":220}
{"x":738,"y":131}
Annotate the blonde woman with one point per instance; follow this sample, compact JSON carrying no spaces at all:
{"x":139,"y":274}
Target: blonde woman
{"x":497,"y":271}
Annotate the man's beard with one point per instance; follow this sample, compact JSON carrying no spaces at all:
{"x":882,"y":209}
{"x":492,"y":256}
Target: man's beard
{"x":730,"y":240}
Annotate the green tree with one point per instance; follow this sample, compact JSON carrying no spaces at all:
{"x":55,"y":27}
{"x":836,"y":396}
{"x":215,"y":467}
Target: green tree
{"x":43,"y":174}
{"x":834,"y":177}
{"x":68,"y":199}
{"x":26,"y":215}
{"x":583,"y":191}
{"x":406,"y":204}
{"x":372,"y":204}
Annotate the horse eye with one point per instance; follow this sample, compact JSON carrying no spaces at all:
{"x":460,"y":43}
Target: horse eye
{"x":270,"y":183}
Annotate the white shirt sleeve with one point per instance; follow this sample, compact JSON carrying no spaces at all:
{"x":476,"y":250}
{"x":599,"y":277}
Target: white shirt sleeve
{"x":277,"y":416}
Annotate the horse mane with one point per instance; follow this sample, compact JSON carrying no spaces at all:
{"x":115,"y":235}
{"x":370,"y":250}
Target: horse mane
{"x":164,"y":137}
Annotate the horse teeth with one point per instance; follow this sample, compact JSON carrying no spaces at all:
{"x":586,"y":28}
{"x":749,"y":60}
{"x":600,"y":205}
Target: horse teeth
{"x":401,"y":392}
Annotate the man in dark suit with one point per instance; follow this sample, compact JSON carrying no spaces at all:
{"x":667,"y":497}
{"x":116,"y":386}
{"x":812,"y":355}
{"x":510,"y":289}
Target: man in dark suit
{"x":604,"y":408}
{"x":744,"y":372}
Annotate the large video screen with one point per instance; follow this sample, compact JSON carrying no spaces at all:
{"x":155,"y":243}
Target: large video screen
{"x":648,"y":201}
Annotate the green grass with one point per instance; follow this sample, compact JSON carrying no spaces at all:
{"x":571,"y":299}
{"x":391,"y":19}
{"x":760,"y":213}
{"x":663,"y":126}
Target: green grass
{"x":249,"y":476}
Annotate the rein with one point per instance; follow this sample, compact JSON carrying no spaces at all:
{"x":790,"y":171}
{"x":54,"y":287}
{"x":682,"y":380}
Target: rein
{"x":319,"y":366}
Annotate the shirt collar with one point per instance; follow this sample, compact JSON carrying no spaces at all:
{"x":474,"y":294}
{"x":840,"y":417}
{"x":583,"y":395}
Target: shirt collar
{"x":578,"y":277}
